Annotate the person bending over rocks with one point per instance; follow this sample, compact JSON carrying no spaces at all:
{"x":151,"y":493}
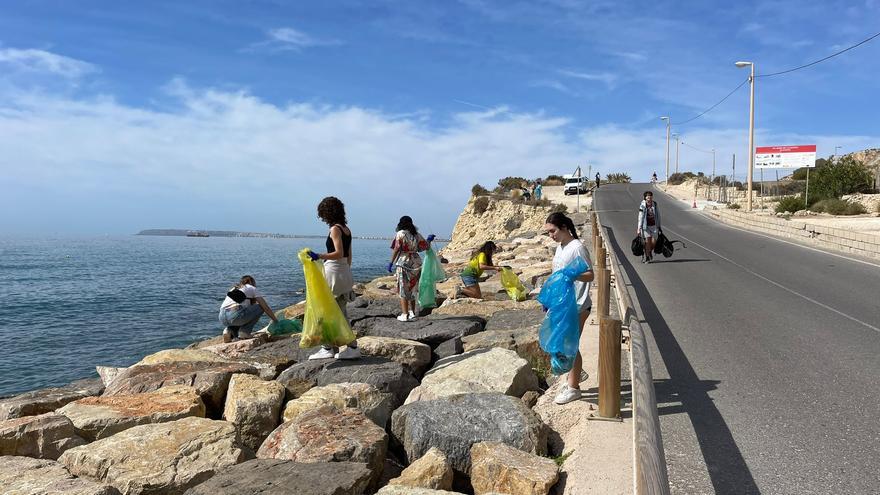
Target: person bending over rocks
{"x":337,"y":269}
{"x":407,"y":264}
{"x":242,"y":309}
{"x":470,"y":276}
{"x":561,"y":229}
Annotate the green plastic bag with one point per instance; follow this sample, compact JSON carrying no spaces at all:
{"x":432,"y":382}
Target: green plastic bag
{"x":285,"y":327}
{"x":432,"y":272}
{"x":515,"y":288}
{"x":323,"y":322}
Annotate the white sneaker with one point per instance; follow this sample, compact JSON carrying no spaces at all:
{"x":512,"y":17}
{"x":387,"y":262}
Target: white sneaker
{"x":348,"y":353}
{"x":412,"y":315}
{"x":403,"y":317}
{"x":567,"y":394}
{"x":227,"y":336}
{"x":322,"y":354}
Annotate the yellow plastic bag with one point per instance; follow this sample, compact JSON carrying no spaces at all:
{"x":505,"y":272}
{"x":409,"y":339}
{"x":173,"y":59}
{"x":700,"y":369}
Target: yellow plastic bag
{"x":515,"y":288}
{"x":323,"y":322}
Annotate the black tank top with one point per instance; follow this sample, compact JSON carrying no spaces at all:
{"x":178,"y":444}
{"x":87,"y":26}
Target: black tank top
{"x":346,"y":243}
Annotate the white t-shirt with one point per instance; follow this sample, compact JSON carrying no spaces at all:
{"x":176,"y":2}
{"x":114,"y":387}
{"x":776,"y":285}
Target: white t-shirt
{"x":564,"y":256}
{"x":249,"y":290}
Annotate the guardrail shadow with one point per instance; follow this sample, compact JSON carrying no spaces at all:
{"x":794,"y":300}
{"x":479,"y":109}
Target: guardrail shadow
{"x":725,"y":464}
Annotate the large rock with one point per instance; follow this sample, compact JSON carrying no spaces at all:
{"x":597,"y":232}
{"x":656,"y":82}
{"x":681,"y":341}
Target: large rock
{"x":480,"y":308}
{"x":415,"y":356}
{"x":282,"y":477}
{"x":408,"y":490}
{"x":453,"y":424}
{"x":366,"y":307}
{"x":514,"y":319}
{"x":431,"y":331}
{"x":387,"y":376}
{"x":99,"y":417}
{"x":273,"y":358}
{"x":292,"y":312}
{"x":329,"y":435}
{"x":165,"y":458}
{"x":45,"y":436}
{"x":496,"y":467}
{"x":451,"y":347}
{"x":432,"y":471}
{"x":523,"y":341}
{"x":535,"y":275}
{"x":210,"y":379}
{"x":364,"y":397}
{"x":232,"y":350}
{"x":483,"y":370}
{"x":26,"y":476}
{"x":254,"y":407}
{"x":48,"y":399}
{"x":177,"y":355}
{"x":108,"y":373}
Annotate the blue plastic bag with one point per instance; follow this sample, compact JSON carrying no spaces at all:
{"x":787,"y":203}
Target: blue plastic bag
{"x":560,"y":331}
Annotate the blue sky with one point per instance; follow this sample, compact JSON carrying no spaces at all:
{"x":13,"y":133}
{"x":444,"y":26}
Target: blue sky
{"x":118,"y":116}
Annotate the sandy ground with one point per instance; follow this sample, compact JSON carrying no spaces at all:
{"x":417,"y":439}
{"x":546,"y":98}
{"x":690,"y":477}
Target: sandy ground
{"x":555,"y":194}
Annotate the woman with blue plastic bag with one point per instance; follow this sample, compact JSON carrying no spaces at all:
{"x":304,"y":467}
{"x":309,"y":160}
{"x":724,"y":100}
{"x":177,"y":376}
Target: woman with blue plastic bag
{"x":572,"y":273}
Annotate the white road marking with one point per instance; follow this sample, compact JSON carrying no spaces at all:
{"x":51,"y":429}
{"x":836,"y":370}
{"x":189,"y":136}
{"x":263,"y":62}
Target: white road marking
{"x":777,"y":284}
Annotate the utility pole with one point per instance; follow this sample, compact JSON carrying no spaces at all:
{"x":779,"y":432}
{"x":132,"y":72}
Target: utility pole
{"x":751,"y":129}
{"x":668,"y":125}
{"x":676,"y":151}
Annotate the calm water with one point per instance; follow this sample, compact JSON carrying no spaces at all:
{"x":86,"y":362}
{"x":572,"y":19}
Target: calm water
{"x":73,"y":303}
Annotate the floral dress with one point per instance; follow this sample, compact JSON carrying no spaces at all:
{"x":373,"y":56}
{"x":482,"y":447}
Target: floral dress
{"x":408,"y":262}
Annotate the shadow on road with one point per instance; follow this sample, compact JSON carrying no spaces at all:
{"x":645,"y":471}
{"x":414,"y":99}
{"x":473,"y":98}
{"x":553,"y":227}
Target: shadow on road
{"x":724,"y":461}
{"x":685,"y":260}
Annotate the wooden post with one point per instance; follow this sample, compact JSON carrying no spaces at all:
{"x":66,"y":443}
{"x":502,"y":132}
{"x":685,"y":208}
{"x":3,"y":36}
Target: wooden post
{"x":594,"y":221}
{"x":603,"y":278}
{"x":609,"y":367}
{"x":600,"y":257}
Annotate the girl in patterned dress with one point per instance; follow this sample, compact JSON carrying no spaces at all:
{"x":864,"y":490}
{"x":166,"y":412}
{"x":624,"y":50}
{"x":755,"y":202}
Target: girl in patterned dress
{"x":407,"y":264}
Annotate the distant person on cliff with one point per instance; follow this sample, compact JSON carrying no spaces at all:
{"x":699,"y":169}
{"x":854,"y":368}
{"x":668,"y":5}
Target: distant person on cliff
{"x":561,"y":229}
{"x":538,"y":190}
{"x":407,"y":264}
{"x":337,"y":269}
{"x":470,"y":276}
{"x":649,"y":224}
{"x":597,"y":180}
{"x":242,"y":309}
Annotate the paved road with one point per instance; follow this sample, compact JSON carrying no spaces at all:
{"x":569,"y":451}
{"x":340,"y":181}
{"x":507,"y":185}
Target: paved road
{"x":766,"y":356}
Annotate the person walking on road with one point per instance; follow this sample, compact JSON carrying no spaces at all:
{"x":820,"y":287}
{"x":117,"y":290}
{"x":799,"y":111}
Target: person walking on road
{"x":649,"y":224}
{"x":597,"y":180}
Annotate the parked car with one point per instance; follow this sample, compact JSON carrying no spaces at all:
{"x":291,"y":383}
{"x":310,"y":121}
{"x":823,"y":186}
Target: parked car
{"x":576,"y":185}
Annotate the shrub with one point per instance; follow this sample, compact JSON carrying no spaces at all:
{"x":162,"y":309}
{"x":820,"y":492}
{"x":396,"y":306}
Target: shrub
{"x":560,"y":208}
{"x":847,"y":176}
{"x":479,"y":190}
{"x":680,"y":177}
{"x":510,"y":183}
{"x":618,"y":178}
{"x":554,"y":178}
{"x":789,"y":188}
{"x":481,"y":204}
{"x":733,"y":206}
{"x":801,"y":173}
{"x":834,"y":206}
{"x":790,"y":204}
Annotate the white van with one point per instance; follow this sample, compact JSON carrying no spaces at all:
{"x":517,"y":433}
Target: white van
{"x":576,"y":185}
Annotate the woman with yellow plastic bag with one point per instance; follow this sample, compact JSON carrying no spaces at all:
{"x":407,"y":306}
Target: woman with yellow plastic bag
{"x":329,"y":284}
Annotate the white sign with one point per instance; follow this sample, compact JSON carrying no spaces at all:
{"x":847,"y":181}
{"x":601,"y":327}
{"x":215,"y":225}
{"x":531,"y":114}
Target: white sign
{"x":785,"y":156}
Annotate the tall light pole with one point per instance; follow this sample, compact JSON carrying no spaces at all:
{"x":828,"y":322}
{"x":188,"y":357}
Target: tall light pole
{"x":668,"y":125}
{"x":675,"y":136}
{"x":836,"y":159}
{"x":751,"y":129}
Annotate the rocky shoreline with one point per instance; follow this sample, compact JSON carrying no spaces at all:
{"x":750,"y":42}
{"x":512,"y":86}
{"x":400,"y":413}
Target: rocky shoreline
{"x":443,"y":404}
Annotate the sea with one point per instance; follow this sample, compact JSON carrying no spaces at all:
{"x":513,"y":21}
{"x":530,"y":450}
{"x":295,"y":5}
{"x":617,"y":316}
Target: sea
{"x":76,"y":302}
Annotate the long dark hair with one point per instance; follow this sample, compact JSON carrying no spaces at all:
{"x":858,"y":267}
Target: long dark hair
{"x":563,"y":222}
{"x":487,"y":248}
{"x":246,"y":280}
{"x":406,"y":224}
{"x":332,"y":211}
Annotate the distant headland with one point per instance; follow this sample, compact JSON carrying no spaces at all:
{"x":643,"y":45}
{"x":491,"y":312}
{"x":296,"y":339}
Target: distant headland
{"x":232,"y":233}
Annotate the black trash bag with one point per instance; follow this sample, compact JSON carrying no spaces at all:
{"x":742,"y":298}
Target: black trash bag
{"x":638,"y":246}
{"x":665,"y":246}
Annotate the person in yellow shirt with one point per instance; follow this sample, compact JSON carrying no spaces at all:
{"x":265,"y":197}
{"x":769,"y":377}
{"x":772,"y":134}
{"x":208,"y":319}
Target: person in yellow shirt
{"x":470,"y":276}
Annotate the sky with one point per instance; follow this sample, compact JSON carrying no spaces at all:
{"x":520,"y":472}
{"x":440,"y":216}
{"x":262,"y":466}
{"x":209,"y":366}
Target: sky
{"x":117,"y":116}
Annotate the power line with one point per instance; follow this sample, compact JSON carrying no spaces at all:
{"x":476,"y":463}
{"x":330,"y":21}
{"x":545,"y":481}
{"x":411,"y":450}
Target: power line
{"x":713,"y":106}
{"x":697,"y":149}
{"x":821,"y":59}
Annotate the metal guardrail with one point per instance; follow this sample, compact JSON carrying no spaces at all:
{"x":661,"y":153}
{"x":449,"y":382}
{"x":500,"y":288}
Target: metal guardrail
{"x":650,"y":475}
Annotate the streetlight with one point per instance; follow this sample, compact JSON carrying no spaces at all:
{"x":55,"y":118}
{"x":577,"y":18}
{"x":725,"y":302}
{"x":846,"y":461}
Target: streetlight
{"x":668,"y":124}
{"x":751,"y":129}
{"x":675,"y":136}
{"x":836,"y":158}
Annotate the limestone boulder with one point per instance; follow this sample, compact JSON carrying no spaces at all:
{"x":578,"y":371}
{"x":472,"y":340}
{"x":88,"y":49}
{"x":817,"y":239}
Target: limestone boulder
{"x":48,"y":399}
{"x":536,"y":274}
{"x":233,"y":350}
{"x":451,"y":347}
{"x":165,"y":458}
{"x":210,"y":379}
{"x":328,"y":434}
{"x":108,"y":373}
{"x":514,"y":319}
{"x":496,"y":467}
{"x":282,"y":477}
{"x":363,"y":397}
{"x":368,"y":307}
{"x":292,"y":312}
{"x":177,"y":355}
{"x":453,"y":424}
{"x":408,"y":490}
{"x":432,"y":331}
{"x":274,"y":357}
{"x":432,"y":470}
{"x":27,"y":476}
{"x":386,"y":375}
{"x":414,"y":356}
{"x":523,"y":341}
{"x":483,"y":370}
{"x":99,"y":417}
{"x":45,"y":436}
{"x":380,"y":288}
{"x":480,"y":308}
{"x":254,"y":407}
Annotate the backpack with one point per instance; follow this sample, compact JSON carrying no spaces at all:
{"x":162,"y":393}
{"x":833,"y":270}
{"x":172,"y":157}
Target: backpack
{"x":665,"y":246}
{"x":236,"y":295}
{"x":638,"y":246}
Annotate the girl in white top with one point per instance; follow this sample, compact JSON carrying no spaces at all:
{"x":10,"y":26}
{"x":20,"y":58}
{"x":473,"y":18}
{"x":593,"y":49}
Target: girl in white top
{"x":561,"y":229}
{"x":242,"y":309}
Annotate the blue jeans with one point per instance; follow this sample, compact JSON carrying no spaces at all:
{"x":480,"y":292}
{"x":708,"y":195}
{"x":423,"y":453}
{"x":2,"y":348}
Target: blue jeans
{"x":238,"y":318}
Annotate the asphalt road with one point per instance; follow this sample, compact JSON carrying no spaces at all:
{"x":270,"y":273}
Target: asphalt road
{"x":765,"y":354}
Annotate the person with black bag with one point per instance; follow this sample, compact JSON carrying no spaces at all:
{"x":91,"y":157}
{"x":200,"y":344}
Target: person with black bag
{"x":242,"y":309}
{"x":649,"y":224}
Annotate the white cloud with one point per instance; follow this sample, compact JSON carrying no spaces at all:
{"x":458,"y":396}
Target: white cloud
{"x":288,"y":38}
{"x":607,"y":78}
{"x":34,"y":60}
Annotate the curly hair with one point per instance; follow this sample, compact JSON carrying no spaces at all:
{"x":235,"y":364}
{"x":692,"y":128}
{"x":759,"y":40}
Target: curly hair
{"x":332,"y":211}
{"x":406,"y":223}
